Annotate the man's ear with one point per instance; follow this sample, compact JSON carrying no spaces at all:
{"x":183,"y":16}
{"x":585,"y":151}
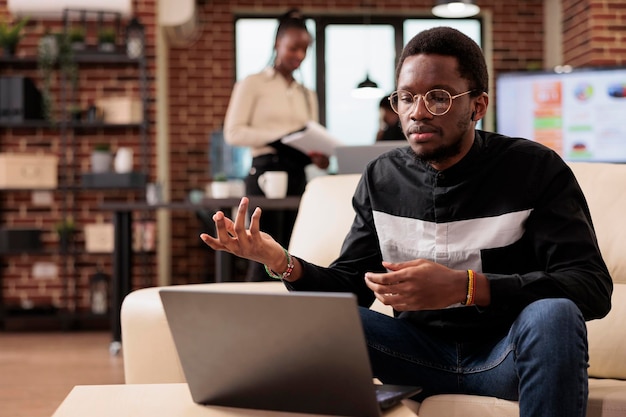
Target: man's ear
{"x":480,"y":109}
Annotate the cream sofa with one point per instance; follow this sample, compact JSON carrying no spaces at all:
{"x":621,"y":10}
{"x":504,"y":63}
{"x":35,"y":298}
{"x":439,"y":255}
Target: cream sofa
{"x":325,"y":216}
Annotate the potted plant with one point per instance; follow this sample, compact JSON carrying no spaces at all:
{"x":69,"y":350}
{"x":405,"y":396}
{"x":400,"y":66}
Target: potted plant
{"x":54,"y":52}
{"x":10,"y":36}
{"x":219,"y":186}
{"x":47,"y":54}
{"x":101,"y":158}
{"x":76,"y":38}
{"x":106,"y":39}
{"x":76,"y":113}
{"x":65,"y":229}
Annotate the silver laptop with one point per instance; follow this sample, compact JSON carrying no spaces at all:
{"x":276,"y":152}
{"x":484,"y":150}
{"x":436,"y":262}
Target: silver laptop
{"x":352,"y":159}
{"x":299,"y":352}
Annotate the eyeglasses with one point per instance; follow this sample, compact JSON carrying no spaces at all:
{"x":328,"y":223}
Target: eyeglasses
{"x":437,"y":102}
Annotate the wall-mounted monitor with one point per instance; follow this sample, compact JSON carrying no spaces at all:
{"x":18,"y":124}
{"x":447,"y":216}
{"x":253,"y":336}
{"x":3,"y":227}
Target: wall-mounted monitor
{"x":580,"y":114}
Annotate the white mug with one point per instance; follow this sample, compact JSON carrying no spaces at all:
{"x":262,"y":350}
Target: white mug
{"x":273,"y":184}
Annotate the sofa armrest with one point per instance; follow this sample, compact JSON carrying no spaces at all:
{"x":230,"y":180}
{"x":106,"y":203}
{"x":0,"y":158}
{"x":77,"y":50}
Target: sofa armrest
{"x":150,"y":355}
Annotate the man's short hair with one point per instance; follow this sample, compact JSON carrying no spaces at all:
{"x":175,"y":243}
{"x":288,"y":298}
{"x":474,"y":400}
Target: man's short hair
{"x":447,"y":41}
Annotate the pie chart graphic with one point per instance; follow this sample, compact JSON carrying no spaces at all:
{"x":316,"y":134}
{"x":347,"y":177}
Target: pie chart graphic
{"x":617,"y":90}
{"x":583,"y":91}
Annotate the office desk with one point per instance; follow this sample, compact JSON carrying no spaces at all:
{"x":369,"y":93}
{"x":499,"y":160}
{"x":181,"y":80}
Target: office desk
{"x":161,"y":400}
{"x":123,"y":242}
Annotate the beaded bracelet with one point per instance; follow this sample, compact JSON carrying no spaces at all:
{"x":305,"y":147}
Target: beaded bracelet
{"x":290,"y":266}
{"x":471,"y":288}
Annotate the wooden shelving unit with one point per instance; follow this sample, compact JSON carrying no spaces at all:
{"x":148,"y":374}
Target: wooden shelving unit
{"x":69,"y":138}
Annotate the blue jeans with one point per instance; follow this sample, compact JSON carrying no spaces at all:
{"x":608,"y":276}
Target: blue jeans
{"x":541,"y":362}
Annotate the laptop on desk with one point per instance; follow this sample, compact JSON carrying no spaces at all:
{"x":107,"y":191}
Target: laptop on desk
{"x":299,"y":352}
{"x":352,"y":159}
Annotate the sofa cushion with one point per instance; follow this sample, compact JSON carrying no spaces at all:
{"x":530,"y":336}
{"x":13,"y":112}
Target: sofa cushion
{"x":324,"y":218}
{"x":606,"y":399}
{"x":603,"y":186}
{"x":455,"y":405}
{"x":607,"y":339}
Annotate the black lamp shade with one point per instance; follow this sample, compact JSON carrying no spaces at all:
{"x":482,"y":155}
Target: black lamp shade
{"x":367,"y":89}
{"x":367,"y":83}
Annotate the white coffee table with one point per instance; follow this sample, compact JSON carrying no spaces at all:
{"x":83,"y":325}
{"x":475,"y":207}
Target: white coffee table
{"x":159,"y":400}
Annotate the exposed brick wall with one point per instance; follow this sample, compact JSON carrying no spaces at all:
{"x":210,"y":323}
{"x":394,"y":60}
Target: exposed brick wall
{"x":201,"y":79}
{"x":594,"y":32}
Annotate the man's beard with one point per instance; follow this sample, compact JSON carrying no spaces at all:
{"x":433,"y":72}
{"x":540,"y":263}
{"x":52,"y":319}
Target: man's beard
{"x":445,"y":152}
{"x":441,"y":154}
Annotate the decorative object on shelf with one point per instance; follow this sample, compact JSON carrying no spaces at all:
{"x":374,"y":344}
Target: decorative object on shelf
{"x":195,"y":196}
{"x":135,"y":41}
{"x":76,"y":37}
{"x":153,"y":193}
{"x":10,"y":36}
{"x":76,"y":113}
{"x":101,"y":158}
{"x":65,"y":230}
{"x":47,"y":54}
{"x":144,"y":236}
{"x":220,"y":187}
{"x":54,"y":50}
{"x":106,"y":39}
{"x":92,"y":112}
{"x":123,"y":162}
{"x":48,"y":47}
{"x":99,"y":292}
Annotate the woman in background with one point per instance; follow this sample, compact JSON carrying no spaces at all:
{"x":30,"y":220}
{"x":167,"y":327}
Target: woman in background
{"x":263,"y":108}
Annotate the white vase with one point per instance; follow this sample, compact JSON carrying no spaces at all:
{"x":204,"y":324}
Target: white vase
{"x":123,"y":163}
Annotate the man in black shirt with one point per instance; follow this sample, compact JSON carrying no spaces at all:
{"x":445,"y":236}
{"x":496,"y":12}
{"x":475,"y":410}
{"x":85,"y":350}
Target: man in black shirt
{"x":481,"y":243}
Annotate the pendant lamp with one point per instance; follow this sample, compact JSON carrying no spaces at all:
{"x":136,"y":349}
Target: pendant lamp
{"x":455,"y":8}
{"x":367,"y":89}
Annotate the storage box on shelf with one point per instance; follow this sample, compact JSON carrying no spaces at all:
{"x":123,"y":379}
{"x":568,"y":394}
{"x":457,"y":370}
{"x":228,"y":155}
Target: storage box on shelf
{"x":20,"y":100}
{"x":120,"y":110}
{"x":20,"y":240}
{"x":23,"y":171}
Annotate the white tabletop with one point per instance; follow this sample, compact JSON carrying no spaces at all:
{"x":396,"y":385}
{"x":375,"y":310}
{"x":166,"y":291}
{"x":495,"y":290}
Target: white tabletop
{"x":155,"y":400}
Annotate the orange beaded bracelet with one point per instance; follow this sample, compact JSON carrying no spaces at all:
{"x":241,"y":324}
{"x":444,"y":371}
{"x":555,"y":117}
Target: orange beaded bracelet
{"x":471,"y":288}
